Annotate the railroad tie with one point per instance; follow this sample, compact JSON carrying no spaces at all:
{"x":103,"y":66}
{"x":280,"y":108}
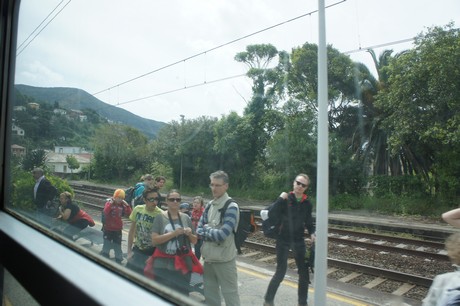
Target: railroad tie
{"x":349,"y":277}
{"x":403,"y":289}
{"x":375,"y":282}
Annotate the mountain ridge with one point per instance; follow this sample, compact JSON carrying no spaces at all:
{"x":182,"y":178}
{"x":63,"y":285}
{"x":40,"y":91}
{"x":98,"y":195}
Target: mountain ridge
{"x":75,"y":98}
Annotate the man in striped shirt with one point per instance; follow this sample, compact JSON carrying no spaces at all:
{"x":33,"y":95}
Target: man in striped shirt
{"x":219,"y":250}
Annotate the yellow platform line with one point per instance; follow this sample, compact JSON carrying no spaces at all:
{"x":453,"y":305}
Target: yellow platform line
{"x":333,"y":296}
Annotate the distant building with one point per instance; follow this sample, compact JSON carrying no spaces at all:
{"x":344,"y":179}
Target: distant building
{"x":17,"y":150}
{"x":69,"y":150}
{"x":59,"y":111}
{"x":33,"y":105}
{"x":57,"y":160}
{"x":17,"y":130}
{"x":19,"y":108}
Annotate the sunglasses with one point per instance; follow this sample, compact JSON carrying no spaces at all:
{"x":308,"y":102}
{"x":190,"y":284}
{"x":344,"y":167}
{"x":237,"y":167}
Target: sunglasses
{"x":301,"y":184}
{"x":152,"y":199}
{"x":174,"y":200}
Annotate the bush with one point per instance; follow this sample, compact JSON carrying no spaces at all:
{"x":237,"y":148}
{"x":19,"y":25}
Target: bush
{"x":23,"y":185}
{"x":345,"y":202}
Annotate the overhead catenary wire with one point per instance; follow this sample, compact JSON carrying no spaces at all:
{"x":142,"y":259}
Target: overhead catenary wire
{"x":213,"y":49}
{"x":183,"y":88}
{"x":18,"y":52}
{"x":241,"y":75}
{"x":55,"y":8}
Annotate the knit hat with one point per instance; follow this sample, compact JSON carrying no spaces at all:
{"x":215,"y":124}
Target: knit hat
{"x":119,"y":193}
{"x":184,"y":206}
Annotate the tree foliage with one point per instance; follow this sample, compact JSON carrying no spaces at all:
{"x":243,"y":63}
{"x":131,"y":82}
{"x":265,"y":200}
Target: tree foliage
{"x":119,"y":151}
{"x":72,"y":162}
{"x":421,"y":102}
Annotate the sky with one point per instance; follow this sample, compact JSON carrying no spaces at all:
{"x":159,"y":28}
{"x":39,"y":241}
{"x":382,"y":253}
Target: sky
{"x":166,"y":58}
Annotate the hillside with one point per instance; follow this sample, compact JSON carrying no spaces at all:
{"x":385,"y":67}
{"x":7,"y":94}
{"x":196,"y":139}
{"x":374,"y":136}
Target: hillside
{"x":74,"y":98}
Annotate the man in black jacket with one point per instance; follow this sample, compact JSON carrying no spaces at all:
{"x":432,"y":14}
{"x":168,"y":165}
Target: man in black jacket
{"x":294,"y":211}
{"x":43,"y":194}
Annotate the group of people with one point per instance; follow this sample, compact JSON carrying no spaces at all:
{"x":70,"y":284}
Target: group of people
{"x":167,"y":244}
{"x":75,"y":219}
{"x":168,"y":257}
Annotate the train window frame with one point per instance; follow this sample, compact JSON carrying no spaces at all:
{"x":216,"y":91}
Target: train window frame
{"x":48,"y":257}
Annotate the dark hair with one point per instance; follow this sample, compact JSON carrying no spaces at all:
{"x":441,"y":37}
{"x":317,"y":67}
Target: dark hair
{"x":200,"y":199}
{"x":160,"y":178}
{"x":150,"y":190}
{"x":172,"y":191}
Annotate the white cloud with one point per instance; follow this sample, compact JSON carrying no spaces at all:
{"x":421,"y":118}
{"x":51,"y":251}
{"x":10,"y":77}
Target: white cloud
{"x":95,"y":45}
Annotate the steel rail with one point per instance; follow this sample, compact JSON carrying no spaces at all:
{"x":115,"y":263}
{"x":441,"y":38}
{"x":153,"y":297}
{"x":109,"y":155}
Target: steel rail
{"x":369,"y":270}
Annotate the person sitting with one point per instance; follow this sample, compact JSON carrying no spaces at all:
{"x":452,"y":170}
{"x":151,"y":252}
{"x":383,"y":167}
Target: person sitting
{"x":72,"y":214}
{"x":445,"y":289}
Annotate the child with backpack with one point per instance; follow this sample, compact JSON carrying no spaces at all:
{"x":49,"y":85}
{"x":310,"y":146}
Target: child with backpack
{"x":114,"y":210}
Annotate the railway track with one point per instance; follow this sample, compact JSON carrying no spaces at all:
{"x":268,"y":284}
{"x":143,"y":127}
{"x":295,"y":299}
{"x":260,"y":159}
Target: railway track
{"x":349,"y":251}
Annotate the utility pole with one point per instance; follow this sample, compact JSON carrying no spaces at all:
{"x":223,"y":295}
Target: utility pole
{"x":181,"y":150}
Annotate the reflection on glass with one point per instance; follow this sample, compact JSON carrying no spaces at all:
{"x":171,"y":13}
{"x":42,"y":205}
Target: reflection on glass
{"x":109,"y":91}
{"x":14,"y":293}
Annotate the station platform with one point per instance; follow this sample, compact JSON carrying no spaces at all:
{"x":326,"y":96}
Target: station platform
{"x":253,"y":279}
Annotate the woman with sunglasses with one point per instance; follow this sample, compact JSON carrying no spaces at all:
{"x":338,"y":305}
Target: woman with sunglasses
{"x":294,"y":211}
{"x":140,"y":245}
{"x":172,"y":234}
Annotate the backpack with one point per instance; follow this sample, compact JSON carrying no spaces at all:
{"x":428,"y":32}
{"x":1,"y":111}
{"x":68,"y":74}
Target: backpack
{"x":246,"y":224}
{"x":129,"y":194}
{"x":271,"y":226}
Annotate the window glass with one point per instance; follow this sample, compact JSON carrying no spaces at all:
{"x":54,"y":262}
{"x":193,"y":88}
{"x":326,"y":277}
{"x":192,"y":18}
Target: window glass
{"x":109,"y":91}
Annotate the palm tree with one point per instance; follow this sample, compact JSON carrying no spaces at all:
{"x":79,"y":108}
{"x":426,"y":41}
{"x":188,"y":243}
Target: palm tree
{"x":374,"y":141}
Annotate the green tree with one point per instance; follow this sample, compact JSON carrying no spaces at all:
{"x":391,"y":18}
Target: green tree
{"x":72,"y":162}
{"x":33,"y":159}
{"x":187,"y":147}
{"x":119,"y":151}
{"x":233,"y":144}
{"x":421,"y":104}
{"x":303,"y":80}
{"x":268,"y":89}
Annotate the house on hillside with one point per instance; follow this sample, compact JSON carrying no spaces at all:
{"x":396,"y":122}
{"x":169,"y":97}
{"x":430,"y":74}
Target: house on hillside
{"x":19,"y":108}
{"x":17,"y":130}
{"x":33,"y":105}
{"x":69,"y":150}
{"x":57,"y":160}
{"x":59,"y":111}
{"x":17,"y":150}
